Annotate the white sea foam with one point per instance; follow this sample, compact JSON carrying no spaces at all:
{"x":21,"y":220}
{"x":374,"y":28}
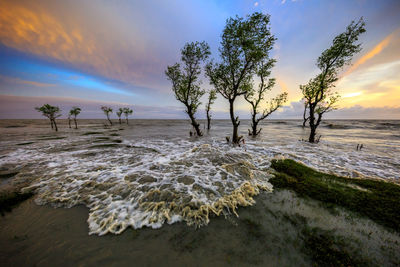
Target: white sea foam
{"x":167,"y":179}
{"x":138,"y":185}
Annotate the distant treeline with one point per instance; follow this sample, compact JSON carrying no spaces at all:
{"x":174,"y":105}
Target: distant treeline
{"x":53,"y":112}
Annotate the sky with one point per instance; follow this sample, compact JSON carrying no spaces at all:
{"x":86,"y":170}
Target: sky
{"x":93,"y":53}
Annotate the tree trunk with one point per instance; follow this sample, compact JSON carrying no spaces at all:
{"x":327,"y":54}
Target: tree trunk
{"x":208,"y":121}
{"x":127,"y":120}
{"x":311,"y":139}
{"x":194,"y":123}
{"x":51,"y":124}
{"x":120,"y":122}
{"x":254,"y":131}
{"x":304,"y":122}
{"x":69,"y":123}
{"x":108,"y":118}
{"x":235,"y":137}
{"x":304,"y":116}
{"x":313,"y":127}
{"x":254,"y":124}
{"x":55,"y":125}
{"x":76,"y":125}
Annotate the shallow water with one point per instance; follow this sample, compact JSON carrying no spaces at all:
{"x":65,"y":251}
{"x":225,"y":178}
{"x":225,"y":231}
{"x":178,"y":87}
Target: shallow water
{"x":151,"y":173}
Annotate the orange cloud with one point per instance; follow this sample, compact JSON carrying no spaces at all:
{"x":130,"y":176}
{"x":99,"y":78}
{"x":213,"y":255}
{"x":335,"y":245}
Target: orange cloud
{"x":38,"y":30}
{"x":7,"y":79}
{"x":373,"y":52}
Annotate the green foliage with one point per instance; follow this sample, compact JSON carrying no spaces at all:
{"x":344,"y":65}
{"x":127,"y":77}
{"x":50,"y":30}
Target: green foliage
{"x":317,"y":92}
{"x":75,"y":111}
{"x":127,"y":111}
{"x":378,"y":200}
{"x":49,"y":111}
{"x":245,"y":43}
{"x":212,"y":96}
{"x":119,"y":112}
{"x":106,"y":110}
{"x":185,"y":80}
{"x":255,"y":97}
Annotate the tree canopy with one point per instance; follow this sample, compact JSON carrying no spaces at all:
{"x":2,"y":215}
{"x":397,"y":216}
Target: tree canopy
{"x":245,"y":42}
{"x":317,"y":92}
{"x":256,"y":96}
{"x":185,"y":79}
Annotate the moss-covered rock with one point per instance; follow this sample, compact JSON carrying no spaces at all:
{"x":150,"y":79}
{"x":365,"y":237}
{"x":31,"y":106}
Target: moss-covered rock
{"x":375,"y":199}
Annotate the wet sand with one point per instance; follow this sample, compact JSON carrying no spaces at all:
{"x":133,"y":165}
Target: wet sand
{"x":270,"y":233}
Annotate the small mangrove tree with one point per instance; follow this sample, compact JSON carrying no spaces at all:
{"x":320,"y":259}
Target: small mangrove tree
{"x":107,"y":111}
{"x":256,"y":96}
{"x":317,"y":92}
{"x":50,"y":112}
{"x":245,"y":42}
{"x":119,"y":114}
{"x":74,"y":112}
{"x":185,"y":80}
{"x":212,"y":95}
{"x":127,"y":112}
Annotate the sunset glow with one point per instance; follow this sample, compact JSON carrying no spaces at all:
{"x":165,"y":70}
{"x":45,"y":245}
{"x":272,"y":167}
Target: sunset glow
{"x":98,"y":51}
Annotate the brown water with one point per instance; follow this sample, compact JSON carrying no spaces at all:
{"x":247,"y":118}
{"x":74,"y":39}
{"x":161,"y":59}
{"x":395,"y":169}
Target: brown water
{"x":109,"y":180}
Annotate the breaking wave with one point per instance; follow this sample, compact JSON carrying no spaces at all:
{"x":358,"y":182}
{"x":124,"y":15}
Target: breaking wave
{"x":140,"y":186}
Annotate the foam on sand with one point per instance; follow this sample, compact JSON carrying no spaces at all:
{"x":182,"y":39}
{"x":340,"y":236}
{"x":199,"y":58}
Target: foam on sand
{"x":189,"y":185}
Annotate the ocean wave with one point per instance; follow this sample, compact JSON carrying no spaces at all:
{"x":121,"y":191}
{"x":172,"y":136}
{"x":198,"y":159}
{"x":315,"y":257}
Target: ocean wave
{"x":155,"y":188}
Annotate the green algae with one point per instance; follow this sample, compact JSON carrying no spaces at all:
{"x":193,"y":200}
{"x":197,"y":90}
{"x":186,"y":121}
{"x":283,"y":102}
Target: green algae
{"x":328,"y":249}
{"x":375,"y":199}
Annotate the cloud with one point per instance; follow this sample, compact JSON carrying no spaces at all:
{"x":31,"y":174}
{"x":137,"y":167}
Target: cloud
{"x":373,"y":52}
{"x":256,"y":4}
{"x":12,"y":80}
{"x":376,"y":85}
{"x":39,"y":30}
{"x":295,"y":111}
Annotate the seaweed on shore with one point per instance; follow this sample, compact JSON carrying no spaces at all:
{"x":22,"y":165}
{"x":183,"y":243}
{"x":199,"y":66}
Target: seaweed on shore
{"x":375,"y":199}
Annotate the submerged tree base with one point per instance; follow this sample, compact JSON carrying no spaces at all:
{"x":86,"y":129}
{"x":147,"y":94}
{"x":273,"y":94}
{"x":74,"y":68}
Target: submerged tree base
{"x":375,"y":199}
